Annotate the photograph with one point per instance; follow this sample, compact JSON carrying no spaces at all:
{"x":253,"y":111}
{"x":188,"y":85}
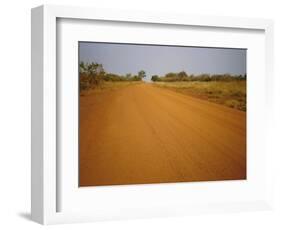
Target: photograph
{"x":156,"y":113}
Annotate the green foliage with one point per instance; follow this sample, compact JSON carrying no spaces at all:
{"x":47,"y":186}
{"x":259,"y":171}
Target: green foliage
{"x":93,"y":75}
{"x":90,"y":74}
{"x":141,"y":74}
{"x":155,"y":78}
{"x":183,"y":76}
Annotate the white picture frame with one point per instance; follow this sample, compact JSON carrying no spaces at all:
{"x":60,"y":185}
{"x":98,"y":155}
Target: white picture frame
{"x":46,"y":182}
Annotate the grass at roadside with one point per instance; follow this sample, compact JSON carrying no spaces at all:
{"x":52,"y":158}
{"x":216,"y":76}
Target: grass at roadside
{"x":107,"y":85}
{"x":228,"y":93}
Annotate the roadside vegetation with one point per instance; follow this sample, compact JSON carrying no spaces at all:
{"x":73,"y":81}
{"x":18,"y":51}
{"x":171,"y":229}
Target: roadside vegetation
{"x":183,"y":76}
{"x":225,"y":89}
{"x":94,"y":76}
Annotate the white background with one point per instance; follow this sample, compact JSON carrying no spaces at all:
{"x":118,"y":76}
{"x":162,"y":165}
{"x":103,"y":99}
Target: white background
{"x":15,"y":114}
{"x":186,"y":195}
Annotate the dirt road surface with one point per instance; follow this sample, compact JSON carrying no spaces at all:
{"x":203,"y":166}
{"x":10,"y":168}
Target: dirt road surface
{"x":145,"y":134}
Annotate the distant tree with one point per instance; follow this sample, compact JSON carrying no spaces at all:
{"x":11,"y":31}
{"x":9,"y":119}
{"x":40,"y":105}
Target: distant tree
{"x":182,"y":75}
{"x":171,"y":75}
{"x":82,"y":67}
{"x":95,"y":72}
{"x":136,"y":78}
{"x":155,"y":78}
{"x":203,"y":77}
{"x":128,"y":75}
{"x":141,"y":74}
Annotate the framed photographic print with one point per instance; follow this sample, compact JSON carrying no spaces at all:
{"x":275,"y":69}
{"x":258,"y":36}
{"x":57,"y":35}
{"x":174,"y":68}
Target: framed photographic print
{"x":140,"y":114}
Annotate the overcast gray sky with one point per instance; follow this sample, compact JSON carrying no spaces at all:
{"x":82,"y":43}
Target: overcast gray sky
{"x":159,"y":60}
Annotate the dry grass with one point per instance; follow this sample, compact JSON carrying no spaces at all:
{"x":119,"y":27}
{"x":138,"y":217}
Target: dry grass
{"x":108,"y":85}
{"x":231,"y":94}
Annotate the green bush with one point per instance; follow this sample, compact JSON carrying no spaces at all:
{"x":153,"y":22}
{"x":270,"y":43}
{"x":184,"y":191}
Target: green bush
{"x":93,"y":74}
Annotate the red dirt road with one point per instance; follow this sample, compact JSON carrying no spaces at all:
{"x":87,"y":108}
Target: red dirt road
{"x":145,"y":134}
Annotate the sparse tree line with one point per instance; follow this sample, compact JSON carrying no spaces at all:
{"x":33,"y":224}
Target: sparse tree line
{"x":93,"y":74}
{"x":183,"y":76}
